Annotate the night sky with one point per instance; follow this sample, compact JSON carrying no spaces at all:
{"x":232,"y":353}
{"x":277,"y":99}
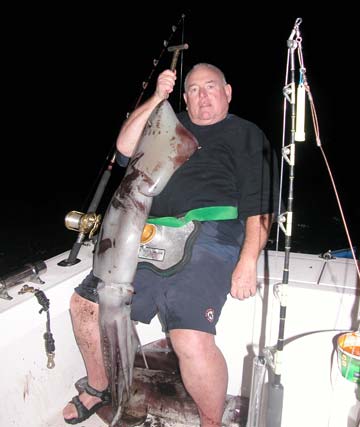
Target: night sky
{"x":72,"y":74}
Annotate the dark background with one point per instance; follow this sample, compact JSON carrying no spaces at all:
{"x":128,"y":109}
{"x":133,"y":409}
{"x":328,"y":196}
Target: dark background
{"x":70,"y":76}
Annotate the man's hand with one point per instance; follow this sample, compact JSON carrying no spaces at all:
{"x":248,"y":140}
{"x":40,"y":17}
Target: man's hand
{"x":244,"y":280}
{"x":244,"y":277}
{"x":165,"y":84}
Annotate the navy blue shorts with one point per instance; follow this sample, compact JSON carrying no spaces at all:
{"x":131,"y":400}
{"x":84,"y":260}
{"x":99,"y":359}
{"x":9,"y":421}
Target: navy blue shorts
{"x":190,"y":299}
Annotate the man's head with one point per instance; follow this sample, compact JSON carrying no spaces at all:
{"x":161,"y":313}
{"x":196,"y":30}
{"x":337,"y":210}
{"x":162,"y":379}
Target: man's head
{"x":207,"y":95}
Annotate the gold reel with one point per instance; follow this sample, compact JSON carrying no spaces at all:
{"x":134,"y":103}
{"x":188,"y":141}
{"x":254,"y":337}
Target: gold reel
{"x":84,"y":223}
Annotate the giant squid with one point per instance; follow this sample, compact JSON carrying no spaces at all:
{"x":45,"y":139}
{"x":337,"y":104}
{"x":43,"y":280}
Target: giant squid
{"x":163,"y":147}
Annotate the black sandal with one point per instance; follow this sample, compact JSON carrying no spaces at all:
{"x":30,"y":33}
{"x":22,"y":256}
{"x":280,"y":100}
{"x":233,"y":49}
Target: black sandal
{"x":81,"y":384}
{"x":83,"y":412}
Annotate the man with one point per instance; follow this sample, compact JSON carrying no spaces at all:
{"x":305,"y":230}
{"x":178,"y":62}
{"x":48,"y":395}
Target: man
{"x":233,"y":173}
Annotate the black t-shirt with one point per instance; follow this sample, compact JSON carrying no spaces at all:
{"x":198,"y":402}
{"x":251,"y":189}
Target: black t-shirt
{"x":235,"y":166}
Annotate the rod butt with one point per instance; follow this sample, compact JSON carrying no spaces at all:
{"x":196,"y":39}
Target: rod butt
{"x":274,"y":405}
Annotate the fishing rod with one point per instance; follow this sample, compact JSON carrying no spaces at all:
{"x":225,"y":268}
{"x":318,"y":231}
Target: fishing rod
{"x":296,"y":99}
{"x":88,"y":223}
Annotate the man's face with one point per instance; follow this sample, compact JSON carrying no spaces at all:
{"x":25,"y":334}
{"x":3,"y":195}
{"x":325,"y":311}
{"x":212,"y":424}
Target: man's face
{"x":207,"y":96}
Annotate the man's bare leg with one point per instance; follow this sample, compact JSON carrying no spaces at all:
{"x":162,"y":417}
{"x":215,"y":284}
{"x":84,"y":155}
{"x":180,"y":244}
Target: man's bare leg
{"x":203,"y":371}
{"x":85,"y":320}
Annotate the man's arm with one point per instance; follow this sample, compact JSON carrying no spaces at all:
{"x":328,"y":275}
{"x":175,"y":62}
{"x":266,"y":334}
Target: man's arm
{"x":134,"y":125}
{"x":244,"y":277}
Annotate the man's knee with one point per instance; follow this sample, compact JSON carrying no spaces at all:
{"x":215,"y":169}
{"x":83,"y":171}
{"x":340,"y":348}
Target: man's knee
{"x":76,"y":300}
{"x":82,"y":305}
{"x":190,"y":343}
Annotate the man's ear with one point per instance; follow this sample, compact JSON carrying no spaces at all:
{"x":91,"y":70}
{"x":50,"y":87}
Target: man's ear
{"x":228,"y":91}
{"x":185,"y":97}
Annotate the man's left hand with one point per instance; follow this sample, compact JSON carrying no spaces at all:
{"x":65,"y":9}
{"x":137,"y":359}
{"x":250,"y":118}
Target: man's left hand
{"x":244,"y":281}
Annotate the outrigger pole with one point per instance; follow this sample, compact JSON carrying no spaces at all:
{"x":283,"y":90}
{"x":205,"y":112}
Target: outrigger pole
{"x":297,"y":103}
{"x":276,"y":389}
{"x":88,"y":223}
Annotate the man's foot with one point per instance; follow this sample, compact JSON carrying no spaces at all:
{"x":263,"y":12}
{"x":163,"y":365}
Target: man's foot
{"x":81,"y":407}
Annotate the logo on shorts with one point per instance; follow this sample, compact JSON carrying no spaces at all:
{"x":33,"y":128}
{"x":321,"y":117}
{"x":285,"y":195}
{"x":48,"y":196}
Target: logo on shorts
{"x":209,"y":314}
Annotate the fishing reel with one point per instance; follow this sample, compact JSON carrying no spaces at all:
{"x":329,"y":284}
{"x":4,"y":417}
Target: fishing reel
{"x":85,"y":223}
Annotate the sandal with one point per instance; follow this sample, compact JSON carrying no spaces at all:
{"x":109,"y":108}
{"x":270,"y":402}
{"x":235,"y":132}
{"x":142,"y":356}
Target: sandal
{"x":83,"y":412}
{"x":81,"y":384}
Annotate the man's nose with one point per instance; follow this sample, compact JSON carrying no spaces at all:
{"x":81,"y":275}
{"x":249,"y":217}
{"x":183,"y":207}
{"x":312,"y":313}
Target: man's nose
{"x":202,"y":92}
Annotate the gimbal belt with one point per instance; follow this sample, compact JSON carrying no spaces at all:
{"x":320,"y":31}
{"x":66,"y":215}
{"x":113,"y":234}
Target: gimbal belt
{"x":166,"y":242}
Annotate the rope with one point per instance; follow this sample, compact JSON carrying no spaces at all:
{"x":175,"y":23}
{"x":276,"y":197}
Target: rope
{"x":48,"y":336}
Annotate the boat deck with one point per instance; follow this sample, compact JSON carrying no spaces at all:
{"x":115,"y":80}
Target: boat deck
{"x":235,"y":416}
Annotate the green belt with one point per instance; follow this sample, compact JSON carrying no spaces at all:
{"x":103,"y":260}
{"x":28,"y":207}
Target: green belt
{"x":211,"y":213}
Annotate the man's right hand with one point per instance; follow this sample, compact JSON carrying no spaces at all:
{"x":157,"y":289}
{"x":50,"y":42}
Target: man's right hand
{"x":132,"y":128}
{"x":165,"y":84}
